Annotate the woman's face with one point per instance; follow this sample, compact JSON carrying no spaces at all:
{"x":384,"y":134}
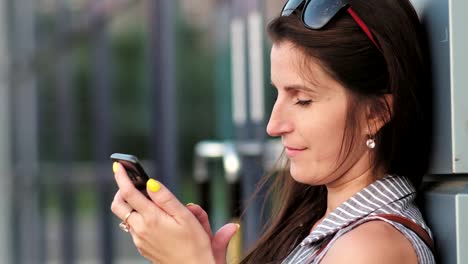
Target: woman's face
{"x":309,"y":114}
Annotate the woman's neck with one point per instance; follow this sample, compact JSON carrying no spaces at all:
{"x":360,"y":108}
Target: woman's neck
{"x":339,"y":192}
{"x":354,"y":180}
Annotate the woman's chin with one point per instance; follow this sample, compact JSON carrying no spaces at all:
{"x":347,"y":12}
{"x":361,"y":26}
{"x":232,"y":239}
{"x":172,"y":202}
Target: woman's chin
{"x":299,"y":174}
{"x":305,"y":175}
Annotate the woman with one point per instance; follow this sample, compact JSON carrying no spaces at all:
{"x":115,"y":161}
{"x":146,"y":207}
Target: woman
{"x":352,"y":113}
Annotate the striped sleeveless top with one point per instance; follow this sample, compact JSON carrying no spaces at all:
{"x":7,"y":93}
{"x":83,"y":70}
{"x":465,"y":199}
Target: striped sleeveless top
{"x":389,"y":195}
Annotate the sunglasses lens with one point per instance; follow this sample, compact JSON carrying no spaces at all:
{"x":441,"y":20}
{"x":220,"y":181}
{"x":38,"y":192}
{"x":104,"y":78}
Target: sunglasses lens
{"x":290,"y":6}
{"x":317,"y":13}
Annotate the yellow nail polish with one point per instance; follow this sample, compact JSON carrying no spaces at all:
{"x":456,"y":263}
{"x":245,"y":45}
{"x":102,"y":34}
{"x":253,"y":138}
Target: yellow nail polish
{"x":238,"y":226}
{"x":153,"y":185}
{"x":115,"y":166}
{"x":190,"y":204}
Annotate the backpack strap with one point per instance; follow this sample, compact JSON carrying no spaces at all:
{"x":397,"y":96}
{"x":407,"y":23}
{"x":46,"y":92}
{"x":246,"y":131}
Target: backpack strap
{"x":412,"y":226}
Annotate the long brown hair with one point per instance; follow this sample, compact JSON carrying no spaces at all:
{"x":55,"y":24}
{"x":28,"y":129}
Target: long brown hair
{"x":345,"y":52}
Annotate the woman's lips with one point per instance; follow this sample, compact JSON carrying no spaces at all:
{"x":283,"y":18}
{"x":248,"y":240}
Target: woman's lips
{"x":292,"y":152}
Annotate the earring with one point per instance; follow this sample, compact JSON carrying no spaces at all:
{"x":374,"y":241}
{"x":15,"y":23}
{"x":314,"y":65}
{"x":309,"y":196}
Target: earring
{"x":370,"y":143}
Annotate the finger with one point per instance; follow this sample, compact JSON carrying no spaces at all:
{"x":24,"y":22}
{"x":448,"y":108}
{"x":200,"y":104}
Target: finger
{"x":126,"y":213}
{"x":119,"y":207}
{"x":165,"y":200}
{"x":221,"y":240}
{"x":202,"y":217}
{"x":128,"y":191}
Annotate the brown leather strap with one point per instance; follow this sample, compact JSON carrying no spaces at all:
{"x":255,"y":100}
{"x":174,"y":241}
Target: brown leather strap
{"x":395,"y":218}
{"x":320,"y":250}
{"x":411,"y":225}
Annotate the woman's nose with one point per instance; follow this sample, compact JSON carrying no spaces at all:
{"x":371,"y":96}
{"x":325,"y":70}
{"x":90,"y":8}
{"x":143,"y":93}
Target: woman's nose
{"x":279,"y":124}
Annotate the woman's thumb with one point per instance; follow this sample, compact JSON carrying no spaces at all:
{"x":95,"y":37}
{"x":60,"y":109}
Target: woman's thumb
{"x":221,"y":240}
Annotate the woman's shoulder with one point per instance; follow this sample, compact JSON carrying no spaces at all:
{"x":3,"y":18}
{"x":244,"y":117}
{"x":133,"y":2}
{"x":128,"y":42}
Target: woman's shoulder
{"x":372,"y":242}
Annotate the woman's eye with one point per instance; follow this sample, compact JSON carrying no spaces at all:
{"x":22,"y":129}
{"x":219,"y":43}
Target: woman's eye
{"x":303,"y":102}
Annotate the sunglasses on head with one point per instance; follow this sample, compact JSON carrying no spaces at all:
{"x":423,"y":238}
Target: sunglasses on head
{"x":317,"y":13}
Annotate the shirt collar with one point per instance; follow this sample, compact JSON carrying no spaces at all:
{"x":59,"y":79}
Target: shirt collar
{"x":373,"y":197}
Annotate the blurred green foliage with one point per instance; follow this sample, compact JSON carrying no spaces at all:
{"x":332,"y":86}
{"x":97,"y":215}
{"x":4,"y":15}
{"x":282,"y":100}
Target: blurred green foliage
{"x":131,"y":105}
{"x":131,"y":130}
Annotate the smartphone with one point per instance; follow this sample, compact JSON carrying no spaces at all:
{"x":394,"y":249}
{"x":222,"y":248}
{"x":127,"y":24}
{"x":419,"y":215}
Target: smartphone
{"x":135,"y":171}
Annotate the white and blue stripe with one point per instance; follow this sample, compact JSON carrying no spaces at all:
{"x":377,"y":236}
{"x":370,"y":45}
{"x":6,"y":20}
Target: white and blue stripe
{"x":389,"y":195}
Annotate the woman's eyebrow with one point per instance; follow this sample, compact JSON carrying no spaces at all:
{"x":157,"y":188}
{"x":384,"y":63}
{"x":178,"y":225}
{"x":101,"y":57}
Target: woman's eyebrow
{"x":297,"y":87}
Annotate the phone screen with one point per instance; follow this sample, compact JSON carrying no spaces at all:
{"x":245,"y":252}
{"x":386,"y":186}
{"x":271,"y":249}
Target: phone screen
{"x":134,"y":170}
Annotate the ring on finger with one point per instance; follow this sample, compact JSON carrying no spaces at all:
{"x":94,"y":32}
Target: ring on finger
{"x":124,"y":224}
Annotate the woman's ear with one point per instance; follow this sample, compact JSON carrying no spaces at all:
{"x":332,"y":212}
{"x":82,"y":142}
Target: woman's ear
{"x":379,"y":113}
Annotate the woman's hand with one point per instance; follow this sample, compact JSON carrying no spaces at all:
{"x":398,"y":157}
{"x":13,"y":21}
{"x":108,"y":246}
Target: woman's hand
{"x":162,"y":229}
{"x":220,"y":241}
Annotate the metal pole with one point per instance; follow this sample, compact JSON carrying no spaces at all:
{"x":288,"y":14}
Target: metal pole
{"x":238,"y":72}
{"x":256,"y":68}
{"x":5,"y":139}
{"x":254,"y":164}
{"x":240,"y":109}
{"x":25,"y":125}
{"x":161,"y":65}
{"x":65,"y":122}
{"x":247,"y":74}
{"x":102,"y":135}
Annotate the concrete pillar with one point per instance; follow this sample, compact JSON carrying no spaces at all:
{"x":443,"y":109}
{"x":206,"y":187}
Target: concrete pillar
{"x":25,"y":134}
{"x":5,"y":164}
